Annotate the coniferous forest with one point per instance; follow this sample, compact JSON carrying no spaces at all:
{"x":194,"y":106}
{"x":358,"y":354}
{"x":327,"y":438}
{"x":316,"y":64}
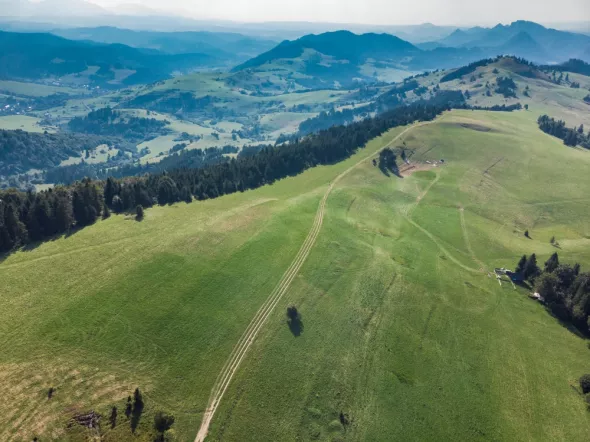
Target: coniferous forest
{"x":570,"y":136}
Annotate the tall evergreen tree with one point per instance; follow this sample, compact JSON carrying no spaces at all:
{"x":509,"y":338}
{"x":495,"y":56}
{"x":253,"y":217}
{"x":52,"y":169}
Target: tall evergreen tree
{"x":552,"y":263}
{"x":521,"y":264}
{"x":531,"y":270}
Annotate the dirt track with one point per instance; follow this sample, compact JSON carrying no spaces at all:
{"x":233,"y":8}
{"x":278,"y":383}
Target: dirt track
{"x":244,"y":343}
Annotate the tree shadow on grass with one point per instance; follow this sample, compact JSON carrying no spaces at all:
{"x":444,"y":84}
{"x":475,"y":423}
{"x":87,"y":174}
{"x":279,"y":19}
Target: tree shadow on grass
{"x":33,"y":245}
{"x":296,"y":326}
{"x":389,"y":171}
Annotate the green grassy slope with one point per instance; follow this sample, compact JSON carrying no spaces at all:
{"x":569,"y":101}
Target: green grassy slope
{"x":403,"y":331}
{"x":544,"y":97}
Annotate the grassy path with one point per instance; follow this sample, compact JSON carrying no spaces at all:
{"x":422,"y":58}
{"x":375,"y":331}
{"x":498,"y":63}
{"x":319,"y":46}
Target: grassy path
{"x":244,"y":343}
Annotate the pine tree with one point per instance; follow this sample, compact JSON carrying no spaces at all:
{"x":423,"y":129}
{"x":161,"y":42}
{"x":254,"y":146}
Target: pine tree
{"x":552,"y":263}
{"x":521,"y":264}
{"x":16,"y":232}
{"x":63,"y":213}
{"x":531,"y":270}
{"x":110,"y":190}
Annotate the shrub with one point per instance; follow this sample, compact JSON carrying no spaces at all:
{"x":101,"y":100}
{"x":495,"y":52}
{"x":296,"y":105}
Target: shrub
{"x":163,"y":421}
{"x":139,"y":212}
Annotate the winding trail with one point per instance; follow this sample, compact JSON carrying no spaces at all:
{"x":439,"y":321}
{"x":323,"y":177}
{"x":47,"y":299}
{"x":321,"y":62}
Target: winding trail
{"x":241,"y":348}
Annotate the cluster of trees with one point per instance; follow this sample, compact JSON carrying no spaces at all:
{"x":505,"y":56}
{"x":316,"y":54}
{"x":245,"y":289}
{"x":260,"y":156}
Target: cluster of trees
{"x":570,"y":136}
{"x":26,"y":217}
{"x":21,"y":151}
{"x":133,"y":411}
{"x":587,"y":98}
{"x":107,"y":121}
{"x":564,"y":288}
{"x":388,"y":161}
{"x":506,"y":86}
{"x":500,"y":107}
{"x":572,"y":65}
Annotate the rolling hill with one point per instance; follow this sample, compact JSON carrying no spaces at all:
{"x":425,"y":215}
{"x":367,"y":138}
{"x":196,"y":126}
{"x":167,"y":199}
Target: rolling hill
{"x":404,"y":331}
{"x":333,"y":57}
{"x":34,"y":56}
{"x":404,"y":334}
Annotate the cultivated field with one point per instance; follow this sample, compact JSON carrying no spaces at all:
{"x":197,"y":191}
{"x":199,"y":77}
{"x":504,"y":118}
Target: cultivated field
{"x":404,"y":330}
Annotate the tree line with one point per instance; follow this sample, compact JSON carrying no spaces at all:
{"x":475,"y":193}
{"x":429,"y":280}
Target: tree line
{"x":27,"y":217}
{"x":471,"y":67}
{"x":183,"y":158}
{"x":570,"y":136}
{"x":572,"y":65}
{"x":564,"y":288}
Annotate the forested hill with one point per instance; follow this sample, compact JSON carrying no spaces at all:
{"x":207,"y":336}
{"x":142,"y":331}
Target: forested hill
{"x":21,"y":151}
{"x":32,"y":217}
{"x":342,"y":45}
{"x":33,"y":56}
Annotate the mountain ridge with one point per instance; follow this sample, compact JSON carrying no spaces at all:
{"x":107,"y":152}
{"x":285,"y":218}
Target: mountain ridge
{"x":41,"y":55}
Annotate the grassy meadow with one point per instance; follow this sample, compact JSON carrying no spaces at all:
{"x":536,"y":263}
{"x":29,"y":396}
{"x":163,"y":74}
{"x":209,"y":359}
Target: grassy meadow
{"x":404,"y":330}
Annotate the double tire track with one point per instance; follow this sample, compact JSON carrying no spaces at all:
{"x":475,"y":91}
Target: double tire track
{"x":241,"y":348}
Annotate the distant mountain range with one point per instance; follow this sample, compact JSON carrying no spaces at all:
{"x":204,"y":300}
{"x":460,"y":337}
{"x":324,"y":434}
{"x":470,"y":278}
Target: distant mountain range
{"x":522,"y":38}
{"x":114,"y":57}
{"x":344,"y":57}
{"x":232,"y":47}
{"x":34,"y":56}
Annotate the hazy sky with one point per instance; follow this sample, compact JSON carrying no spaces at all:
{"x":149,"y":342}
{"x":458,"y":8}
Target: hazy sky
{"x":376,"y":11}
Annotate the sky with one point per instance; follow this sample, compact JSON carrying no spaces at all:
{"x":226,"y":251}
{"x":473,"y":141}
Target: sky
{"x":381,"y":12}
